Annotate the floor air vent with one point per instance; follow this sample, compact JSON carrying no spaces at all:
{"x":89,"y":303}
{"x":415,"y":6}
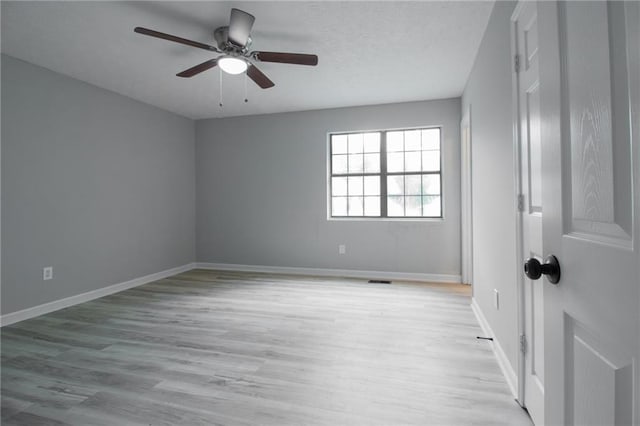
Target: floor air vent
{"x":379,"y":282}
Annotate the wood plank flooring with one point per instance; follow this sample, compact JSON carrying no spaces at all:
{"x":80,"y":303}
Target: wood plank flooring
{"x":210,"y":347}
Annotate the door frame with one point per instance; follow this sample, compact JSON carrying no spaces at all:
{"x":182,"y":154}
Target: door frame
{"x":517,"y":179}
{"x":466,"y":195}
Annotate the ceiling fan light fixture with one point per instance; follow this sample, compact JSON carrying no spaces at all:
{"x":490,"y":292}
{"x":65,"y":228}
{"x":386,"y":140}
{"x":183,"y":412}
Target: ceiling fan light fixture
{"x":232,"y":64}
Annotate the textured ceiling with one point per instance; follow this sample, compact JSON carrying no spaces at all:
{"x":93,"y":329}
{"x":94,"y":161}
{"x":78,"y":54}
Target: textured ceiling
{"x":369,"y":52}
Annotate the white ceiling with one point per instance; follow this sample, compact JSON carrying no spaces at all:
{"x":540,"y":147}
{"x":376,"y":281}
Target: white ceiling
{"x":369,"y":52}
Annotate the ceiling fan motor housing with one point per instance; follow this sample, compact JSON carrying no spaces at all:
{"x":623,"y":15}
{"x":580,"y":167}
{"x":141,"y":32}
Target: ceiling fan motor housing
{"x":221,"y":35}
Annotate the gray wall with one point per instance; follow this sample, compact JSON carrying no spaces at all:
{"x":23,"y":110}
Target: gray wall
{"x":261,"y":190}
{"x":99,"y":186}
{"x":489,"y":92}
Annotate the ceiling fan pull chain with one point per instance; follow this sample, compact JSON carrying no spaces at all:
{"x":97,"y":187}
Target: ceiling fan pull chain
{"x":220,"y":88}
{"x":246,"y":99}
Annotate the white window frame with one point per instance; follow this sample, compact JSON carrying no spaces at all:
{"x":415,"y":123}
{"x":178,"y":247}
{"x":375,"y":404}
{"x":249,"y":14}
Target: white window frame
{"x":383,"y":177}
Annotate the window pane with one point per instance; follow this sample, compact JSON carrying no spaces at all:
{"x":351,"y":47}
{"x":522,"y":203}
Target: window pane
{"x":431,"y":206}
{"x":372,"y":163}
{"x":339,"y":206}
{"x":431,"y":139}
{"x":339,"y":144}
{"x":355,"y":206}
{"x":355,"y":143}
{"x":412,"y":140}
{"x":355,"y":185}
{"x":372,"y":142}
{"x":395,"y":162}
{"x":339,"y":164}
{"x":395,"y":185}
{"x":355,"y":163}
{"x":430,"y":161}
{"x":338,"y":186}
{"x":395,"y":206}
{"x":372,"y":185}
{"x":431,"y":184}
{"x":372,"y":206}
{"x":412,"y":161}
{"x":413,"y":206}
{"x":413,"y":185}
{"x":395,"y":141}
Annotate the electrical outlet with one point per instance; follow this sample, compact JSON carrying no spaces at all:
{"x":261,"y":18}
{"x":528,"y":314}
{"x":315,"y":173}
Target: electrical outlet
{"x":47,"y":273}
{"x":496,"y":299}
{"x":342,"y":249}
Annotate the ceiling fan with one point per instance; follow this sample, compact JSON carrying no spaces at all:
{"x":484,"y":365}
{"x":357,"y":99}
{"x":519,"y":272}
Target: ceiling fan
{"x":233,"y":43}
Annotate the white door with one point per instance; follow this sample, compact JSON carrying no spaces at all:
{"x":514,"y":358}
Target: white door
{"x":590,"y":125}
{"x":466,"y":201}
{"x":529,"y":148}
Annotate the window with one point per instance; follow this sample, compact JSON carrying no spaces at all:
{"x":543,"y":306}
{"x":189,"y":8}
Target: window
{"x":394,"y":173}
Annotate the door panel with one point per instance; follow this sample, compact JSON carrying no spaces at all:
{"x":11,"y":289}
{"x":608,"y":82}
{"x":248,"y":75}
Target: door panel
{"x":589,"y":75}
{"x":599,"y":207}
{"x":600,"y":387}
{"x":534,"y":148}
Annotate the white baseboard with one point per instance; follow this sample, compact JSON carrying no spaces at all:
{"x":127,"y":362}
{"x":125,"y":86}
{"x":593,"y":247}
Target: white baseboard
{"x":507,"y":370}
{"x":45,"y":308}
{"x":347,"y":273}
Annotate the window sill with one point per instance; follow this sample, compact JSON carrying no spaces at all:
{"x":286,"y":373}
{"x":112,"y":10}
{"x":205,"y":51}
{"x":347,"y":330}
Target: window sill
{"x":386,"y":219}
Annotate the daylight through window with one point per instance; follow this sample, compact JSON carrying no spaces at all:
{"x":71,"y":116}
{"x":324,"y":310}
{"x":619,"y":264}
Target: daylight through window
{"x":393,"y":173}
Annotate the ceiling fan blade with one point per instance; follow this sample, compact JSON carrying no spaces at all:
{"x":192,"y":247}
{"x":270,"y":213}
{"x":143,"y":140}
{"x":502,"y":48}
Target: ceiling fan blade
{"x":286,"y":58}
{"x":199,"y":68}
{"x":240,"y":26}
{"x":260,"y":79}
{"x":175,"y":39}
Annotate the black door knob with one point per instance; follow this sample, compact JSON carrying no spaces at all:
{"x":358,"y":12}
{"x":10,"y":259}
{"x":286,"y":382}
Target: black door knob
{"x":551,"y":268}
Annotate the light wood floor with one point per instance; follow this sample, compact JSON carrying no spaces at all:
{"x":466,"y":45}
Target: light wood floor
{"x":208,"y":347}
